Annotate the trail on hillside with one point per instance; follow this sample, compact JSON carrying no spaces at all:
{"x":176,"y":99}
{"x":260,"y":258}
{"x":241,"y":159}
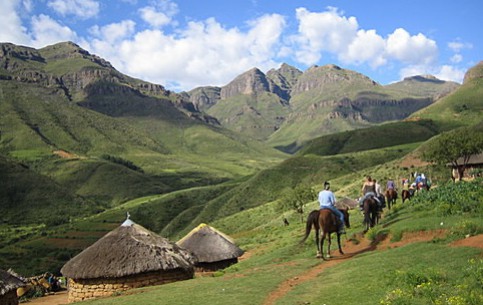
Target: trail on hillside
{"x":365,"y":245}
{"x":349,"y":249}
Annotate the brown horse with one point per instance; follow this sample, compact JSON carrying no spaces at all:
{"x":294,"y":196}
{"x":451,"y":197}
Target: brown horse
{"x":326,"y":220}
{"x":391,"y":196}
{"x":406,"y":195}
{"x":371,"y":212}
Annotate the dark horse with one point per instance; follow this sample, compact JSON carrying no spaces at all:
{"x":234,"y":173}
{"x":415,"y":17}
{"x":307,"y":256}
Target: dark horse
{"x":371,"y":212}
{"x":326,"y":220}
{"x":391,"y":196}
{"x":406,"y":195}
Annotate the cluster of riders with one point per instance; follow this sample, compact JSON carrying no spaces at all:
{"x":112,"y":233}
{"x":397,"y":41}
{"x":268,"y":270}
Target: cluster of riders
{"x":332,"y":219}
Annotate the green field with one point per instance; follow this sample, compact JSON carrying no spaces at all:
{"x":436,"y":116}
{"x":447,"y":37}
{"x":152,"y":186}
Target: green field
{"x":427,"y":271}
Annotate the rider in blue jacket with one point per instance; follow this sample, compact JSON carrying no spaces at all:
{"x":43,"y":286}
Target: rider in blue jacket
{"x":327,"y":201}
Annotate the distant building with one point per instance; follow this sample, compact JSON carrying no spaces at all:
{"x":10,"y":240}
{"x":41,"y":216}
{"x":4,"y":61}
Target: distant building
{"x":9,"y":284}
{"x":128,"y":257}
{"x":213,"y":250}
{"x":474,"y":165}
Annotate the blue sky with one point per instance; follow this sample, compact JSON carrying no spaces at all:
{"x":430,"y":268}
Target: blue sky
{"x":183,"y":44}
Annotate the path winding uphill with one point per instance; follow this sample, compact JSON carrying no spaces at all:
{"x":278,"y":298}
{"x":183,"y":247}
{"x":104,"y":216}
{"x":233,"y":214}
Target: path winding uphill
{"x":365,"y":245}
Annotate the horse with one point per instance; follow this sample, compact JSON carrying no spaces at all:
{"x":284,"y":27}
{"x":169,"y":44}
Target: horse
{"x":391,"y":196}
{"x":327,"y":221}
{"x":370,"y":209}
{"x":406,"y":195}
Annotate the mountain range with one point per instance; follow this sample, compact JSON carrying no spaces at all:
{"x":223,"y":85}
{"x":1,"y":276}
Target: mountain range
{"x":287,"y":107}
{"x":78,"y":138}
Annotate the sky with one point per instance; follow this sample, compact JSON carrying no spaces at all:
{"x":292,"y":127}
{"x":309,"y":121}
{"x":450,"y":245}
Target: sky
{"x":184,"y":44}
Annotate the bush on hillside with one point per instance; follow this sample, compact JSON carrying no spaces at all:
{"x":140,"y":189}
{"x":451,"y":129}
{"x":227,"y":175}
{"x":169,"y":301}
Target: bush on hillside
{"x":123,"y":162}
{"x":462,"y":198}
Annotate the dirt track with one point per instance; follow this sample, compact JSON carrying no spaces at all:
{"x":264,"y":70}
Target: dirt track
{"x":59,"y":298}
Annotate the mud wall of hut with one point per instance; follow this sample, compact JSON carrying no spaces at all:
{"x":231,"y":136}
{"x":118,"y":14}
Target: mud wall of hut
{"x":84,"y":289}
{"x":9,"y":298}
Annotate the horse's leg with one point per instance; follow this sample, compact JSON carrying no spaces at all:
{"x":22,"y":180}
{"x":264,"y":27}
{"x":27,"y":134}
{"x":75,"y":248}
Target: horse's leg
{"x":329,"y":242}
{"x":338,"y":243}
{"x":317,"y":242}
{"x":322,"y":238}
{"x":367,"y":221}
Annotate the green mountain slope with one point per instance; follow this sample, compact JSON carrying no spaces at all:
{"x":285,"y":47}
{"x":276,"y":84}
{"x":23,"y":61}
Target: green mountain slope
{"x":75,"y":120}
{"x":462,"y":107}
{"x":29,"y":198}
{"x":385,"y":135}
{"x":287,"y":107}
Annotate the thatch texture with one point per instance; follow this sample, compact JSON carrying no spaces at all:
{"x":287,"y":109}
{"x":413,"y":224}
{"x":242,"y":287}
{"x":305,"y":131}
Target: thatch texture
{"x":346,"y":203}
{"x":9,"y":282}
{"x":128,"y":250}
{"x":210,"y":245}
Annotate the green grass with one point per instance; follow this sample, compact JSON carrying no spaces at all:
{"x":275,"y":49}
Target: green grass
{"x":385,"y":135}
{"x":370,"y":278}
{"x":461,"y":108}
{"x":417,"y":273}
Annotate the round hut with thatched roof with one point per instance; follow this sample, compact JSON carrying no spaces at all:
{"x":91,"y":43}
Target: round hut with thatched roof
{"x":9,"y":283}
{"x":128,"y":257}
{"x":212,"y":249}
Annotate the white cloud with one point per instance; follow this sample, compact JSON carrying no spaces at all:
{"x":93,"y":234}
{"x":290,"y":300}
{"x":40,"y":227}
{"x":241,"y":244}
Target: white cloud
{"x":457,"y":58}
{"x":368,"y":47}
{"x":114,"y":32}
{"x":322,"y":32}
{"x":47,"y":31}
{"x":83,"y":9}
{"x":27,"y":5}
{"x":457,"y":46}
{"x":444,"y":72}
{"x":11,"y":28}
{"x":205,"y":52}
{"x":450,"y":73}
{"x":159,"y":15}
{"x":413,"y":50}
{"x":331,"y":33}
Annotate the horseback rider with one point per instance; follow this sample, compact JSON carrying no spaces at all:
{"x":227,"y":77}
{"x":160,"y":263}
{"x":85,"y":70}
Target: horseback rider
{"x":380,"y":195}
{"x":390,"y":185}
{"x":327,"y":201}
{"x":368,"y":190}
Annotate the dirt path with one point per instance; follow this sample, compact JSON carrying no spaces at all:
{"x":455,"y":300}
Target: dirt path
{"x":59,"y":298}
{"x":351,"y":250}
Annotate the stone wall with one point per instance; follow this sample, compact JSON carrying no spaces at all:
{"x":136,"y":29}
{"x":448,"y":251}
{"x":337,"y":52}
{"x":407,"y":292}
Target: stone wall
{"x":84,"y":289}
{"x":10,"y":298}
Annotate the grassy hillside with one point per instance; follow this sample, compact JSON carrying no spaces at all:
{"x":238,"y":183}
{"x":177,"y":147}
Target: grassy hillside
{"x":253,"y":115}
{"x":385,"y":135}
{"x":393,"y":269}
{"x":463,"y":107}
{"x":23,"y":198}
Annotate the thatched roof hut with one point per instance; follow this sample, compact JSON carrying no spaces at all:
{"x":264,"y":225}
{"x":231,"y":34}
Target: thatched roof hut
{"x":213,"y":249}
{"x":8,"y":288}
{"x":346,"y":203}
{"x":128,"y":257}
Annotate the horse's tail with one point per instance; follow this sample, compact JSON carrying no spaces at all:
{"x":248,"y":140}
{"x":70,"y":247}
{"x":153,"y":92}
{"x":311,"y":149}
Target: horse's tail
{"x":311,"y":221}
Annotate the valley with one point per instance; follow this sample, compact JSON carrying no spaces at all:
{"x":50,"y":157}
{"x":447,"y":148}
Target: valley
{"x":81,"y":145}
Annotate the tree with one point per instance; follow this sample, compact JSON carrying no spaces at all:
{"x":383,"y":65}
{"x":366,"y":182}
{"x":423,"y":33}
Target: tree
{"x":455,"y":148}
{"x":296,"y":198}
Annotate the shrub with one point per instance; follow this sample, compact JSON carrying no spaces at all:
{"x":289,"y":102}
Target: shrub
{"x":123,"y":162}
{"x":463,"y":198}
